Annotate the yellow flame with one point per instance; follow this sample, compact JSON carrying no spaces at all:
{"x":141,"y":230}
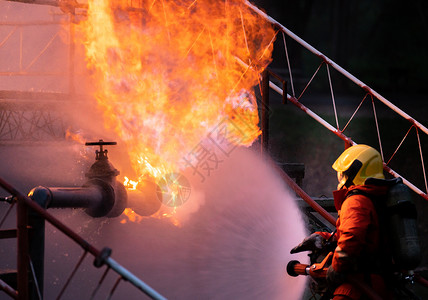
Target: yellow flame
{"x":132,"y":216}
{"x":74,"y":136}
{"x":167,"y":72}
{"x":130,"y":184}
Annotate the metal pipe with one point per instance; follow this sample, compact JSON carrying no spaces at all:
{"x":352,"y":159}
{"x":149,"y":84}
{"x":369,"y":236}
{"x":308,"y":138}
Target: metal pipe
{"x":36,"y":253}
{"x":8,"y":289}
{"x":313,"y":115}
{"x":23,"y":203}
{"x":23,"y":265}
{"x":90,"y":197}
{"x":133,"y":279}
{"x":299,"y":191}
{"x":97,"y":196}
{"x":72,"y":275}
{"x":75,"y":197}
{"x":347,"y":140}
{"x":27,"y":202}
{"x":337,"y":67}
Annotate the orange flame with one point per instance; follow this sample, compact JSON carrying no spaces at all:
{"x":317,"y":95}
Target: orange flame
{"x":167,"y":72}
{"x":132,"y":216}
{"x":74,"y":136}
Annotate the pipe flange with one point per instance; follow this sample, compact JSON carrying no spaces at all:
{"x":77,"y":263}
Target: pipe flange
{"x":102,"y":208}
{"x":120,"y":201}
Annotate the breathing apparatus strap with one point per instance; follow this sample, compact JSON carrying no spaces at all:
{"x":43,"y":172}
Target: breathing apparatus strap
{"x":376,"y":263}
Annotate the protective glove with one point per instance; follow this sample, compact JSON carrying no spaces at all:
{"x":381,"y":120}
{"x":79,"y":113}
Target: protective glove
{"x":311,"y":243}
{"x":334,"y":278}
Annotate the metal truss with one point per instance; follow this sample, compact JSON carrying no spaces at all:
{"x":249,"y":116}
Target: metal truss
{"x":369,"y":94}
{"x":30,"y":116}
{"x":30,"y":120}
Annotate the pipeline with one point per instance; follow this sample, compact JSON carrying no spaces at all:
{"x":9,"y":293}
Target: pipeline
{"x":97,"y":197}
{"x":101,"y":196}
{"x":27,"y":203}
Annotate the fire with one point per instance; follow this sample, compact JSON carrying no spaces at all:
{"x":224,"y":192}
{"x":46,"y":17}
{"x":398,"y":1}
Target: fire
{"x":130,"y":184}
{"x":77,"y":137}
{"x":167,"y":72}
{"x":132,"y":216}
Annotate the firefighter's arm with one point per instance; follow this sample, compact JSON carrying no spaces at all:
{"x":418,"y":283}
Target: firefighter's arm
{"x":355,"y":219}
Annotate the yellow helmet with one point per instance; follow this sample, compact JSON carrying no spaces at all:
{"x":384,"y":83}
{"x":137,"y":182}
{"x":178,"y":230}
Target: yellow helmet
{"x":356,"y":164}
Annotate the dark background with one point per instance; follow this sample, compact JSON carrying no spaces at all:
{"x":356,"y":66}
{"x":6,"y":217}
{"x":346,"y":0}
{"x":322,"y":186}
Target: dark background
{"x":383,"y":42}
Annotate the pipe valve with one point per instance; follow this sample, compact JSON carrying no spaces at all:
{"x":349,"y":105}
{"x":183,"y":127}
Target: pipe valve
{"x":102,"y":195}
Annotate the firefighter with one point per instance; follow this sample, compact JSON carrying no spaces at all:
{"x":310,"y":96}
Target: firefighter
{"x":359,"y":248}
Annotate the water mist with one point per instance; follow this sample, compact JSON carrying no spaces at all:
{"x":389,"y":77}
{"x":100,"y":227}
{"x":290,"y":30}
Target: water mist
{"x":236,"y":231}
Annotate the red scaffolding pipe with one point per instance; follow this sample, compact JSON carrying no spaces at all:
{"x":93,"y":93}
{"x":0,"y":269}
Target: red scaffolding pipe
{"x":299,"y":191}
{"x":26,"y":201}
{"x":8,"y":290}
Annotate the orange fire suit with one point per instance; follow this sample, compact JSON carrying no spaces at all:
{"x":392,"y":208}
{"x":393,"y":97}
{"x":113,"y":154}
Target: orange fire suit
{"x":358,"y":241}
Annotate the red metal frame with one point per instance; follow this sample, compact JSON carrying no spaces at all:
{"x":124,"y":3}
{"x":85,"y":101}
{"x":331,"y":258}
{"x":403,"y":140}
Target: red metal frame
{"x":24,"y":203}
{"x":102,"y":257}
{"x":299,"y":191}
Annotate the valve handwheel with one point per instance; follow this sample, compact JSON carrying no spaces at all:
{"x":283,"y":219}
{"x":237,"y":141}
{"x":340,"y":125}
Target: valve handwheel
{"x":101,"y":153}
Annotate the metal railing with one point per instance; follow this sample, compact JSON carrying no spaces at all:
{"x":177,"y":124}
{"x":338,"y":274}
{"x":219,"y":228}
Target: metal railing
{"x":370,"y":93}
{"x":25,"y":273}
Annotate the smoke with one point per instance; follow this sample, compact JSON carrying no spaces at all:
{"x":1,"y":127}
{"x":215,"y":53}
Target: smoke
{"x":29,"y":49}
{"x":233,"y":243}
{"x":237,"y":227}
{"x":35,"y":51}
